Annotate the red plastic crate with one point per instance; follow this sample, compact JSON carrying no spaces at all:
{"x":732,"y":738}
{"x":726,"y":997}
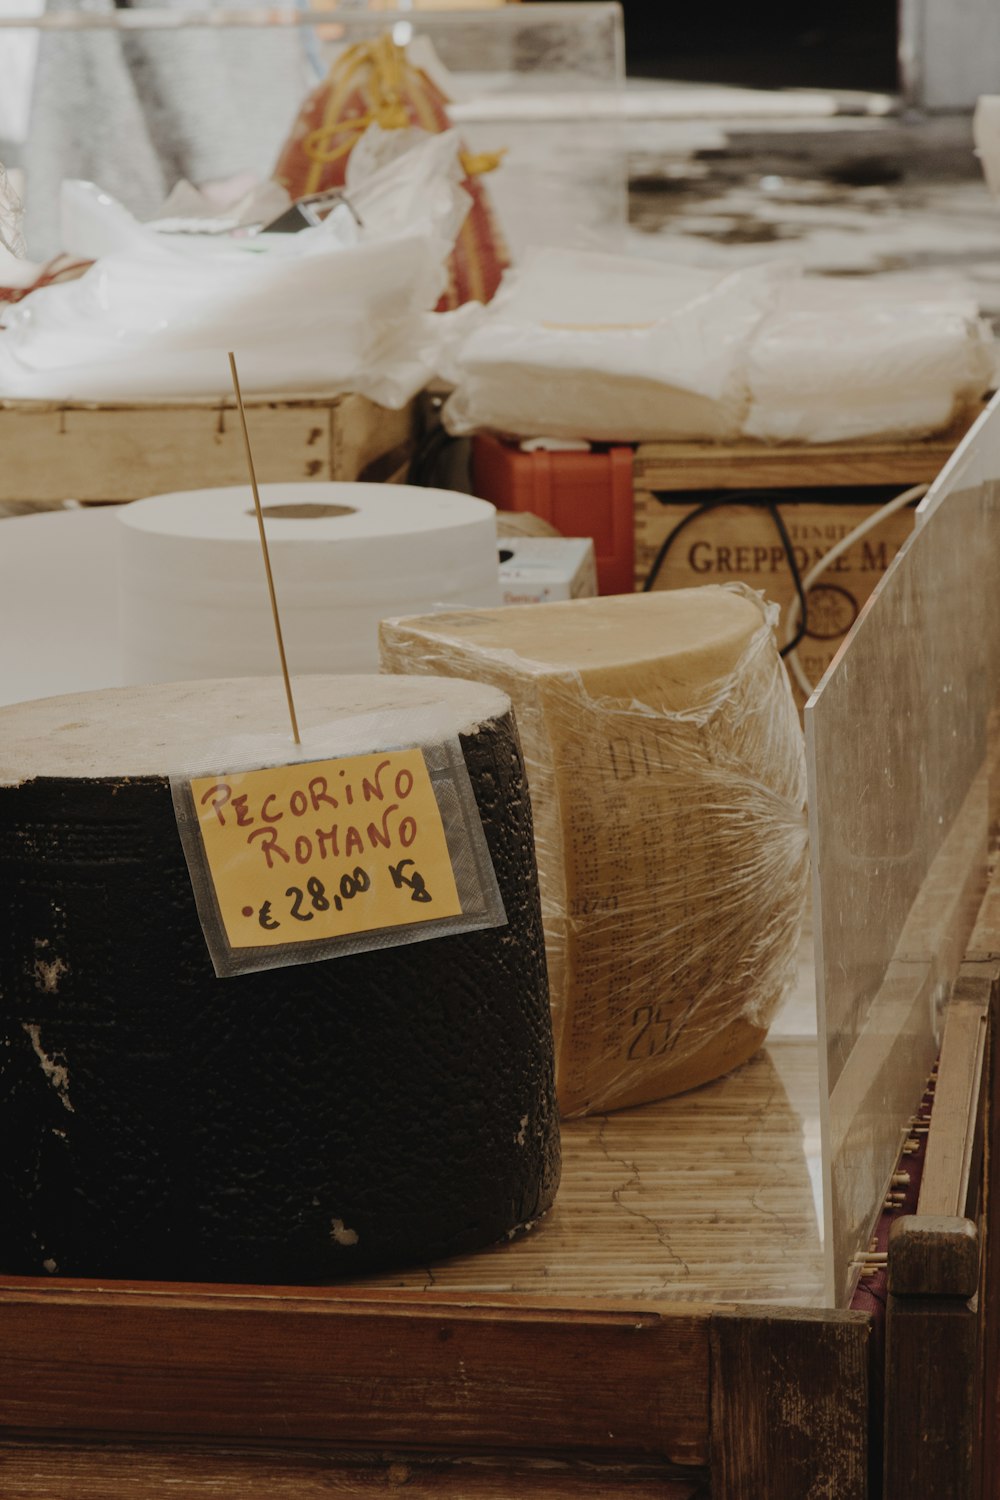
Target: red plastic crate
{"x":580,"y":494}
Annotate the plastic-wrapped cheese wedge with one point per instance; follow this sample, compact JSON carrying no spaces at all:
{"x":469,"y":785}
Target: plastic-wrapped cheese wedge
{"x":667,"y":780}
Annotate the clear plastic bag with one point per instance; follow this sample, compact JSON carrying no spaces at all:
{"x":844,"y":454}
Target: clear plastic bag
{"x":338,"y":307}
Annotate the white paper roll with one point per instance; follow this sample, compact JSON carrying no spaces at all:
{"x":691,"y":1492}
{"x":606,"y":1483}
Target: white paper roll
{"x":193,"y":594}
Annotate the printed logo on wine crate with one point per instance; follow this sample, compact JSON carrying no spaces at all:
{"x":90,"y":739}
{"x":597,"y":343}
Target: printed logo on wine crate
{"x":832,"y":611}
{"x":681,"y":544}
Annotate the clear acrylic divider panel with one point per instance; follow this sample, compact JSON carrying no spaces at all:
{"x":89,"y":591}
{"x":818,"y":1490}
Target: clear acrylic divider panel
{"x":899,"y":739}
{"x":137,"y":104}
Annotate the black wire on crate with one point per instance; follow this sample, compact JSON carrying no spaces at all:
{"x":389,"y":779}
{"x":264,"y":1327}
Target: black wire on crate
{"x":427,"y":455}
{"x":736,"y":497}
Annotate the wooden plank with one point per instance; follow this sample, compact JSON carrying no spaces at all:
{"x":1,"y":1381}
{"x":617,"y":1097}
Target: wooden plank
{"x":118,"y":1471}
{"x":939,"y":1410}
{"x":121,"y":453}
{"x":740,"y":543}
{"x":379,"y":1371}
{"x":931,"y":1446}
{"x":984,"y":944}
{"x":989,"y":1291}
{"x":89,"y":452}
{"x":930,"y":1373}
{"x":756,"y":465}
{"x":705,"y":1197}
{"x":369,"y":442}
{"x":946,"y":1184}
{"x":790,"y":1394}
{"x":933,"y":1255}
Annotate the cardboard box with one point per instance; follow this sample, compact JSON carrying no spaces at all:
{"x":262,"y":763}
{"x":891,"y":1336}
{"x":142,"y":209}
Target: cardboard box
{"x":733,"y":543}
{"x":538,"y":569}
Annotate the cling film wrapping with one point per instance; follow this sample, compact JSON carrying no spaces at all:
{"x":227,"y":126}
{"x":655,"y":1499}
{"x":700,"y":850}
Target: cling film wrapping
{"x":668,"y":796}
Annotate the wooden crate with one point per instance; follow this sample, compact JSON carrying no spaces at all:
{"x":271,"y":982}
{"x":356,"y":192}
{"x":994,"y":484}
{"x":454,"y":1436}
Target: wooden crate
{"x":53,"y":451}
{"x":735,"y":543}
{"x":740,"y":543}
{"x":751,"y":465}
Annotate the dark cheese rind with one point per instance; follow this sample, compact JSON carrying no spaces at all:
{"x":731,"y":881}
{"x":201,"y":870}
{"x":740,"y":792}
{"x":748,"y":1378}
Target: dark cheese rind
{"x":298,"y":1124}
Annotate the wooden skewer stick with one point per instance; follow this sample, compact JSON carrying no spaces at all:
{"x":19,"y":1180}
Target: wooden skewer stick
{"x":263,"y":548}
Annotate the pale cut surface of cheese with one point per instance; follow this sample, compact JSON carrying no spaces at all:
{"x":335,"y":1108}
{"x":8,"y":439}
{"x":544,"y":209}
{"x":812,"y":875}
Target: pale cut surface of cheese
{"x":667,"y":778}
{"x":165,"y":729}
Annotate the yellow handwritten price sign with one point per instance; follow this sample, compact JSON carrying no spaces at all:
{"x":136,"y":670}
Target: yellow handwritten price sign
{"x":325,"y":849}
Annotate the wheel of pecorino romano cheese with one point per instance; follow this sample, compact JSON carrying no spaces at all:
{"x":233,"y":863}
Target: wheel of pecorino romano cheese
{"x":381,"y":1106}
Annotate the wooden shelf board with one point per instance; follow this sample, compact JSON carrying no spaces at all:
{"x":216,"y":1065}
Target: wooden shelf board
{"x":705,"y":1197}
{"x":187,"y":1471}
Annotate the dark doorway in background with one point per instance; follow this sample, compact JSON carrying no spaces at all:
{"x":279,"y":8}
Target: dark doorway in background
{"x":836,"y":44}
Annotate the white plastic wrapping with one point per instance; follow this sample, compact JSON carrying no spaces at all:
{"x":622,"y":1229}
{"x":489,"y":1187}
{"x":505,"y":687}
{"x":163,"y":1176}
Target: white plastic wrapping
{"x":596,"y":346}
{"x":835,"y":359}
{"x":335,"y":308}
{"x":668,"y":799}
{"x":604,"y":348}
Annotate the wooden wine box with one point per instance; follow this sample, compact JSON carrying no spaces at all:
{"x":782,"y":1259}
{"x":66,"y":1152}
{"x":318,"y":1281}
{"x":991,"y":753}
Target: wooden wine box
{"x":703,"y":514}
{"x":740,"y":543}
{"x":94,"y":452}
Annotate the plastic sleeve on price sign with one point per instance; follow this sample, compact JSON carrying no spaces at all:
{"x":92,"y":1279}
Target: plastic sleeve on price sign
{"x":298,"y":859}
